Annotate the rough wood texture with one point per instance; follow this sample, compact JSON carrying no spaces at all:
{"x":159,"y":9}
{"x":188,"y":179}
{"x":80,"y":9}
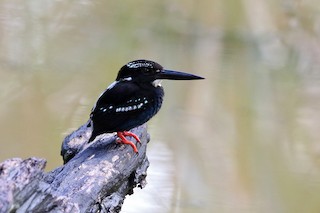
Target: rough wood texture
{"x":96,"y":177}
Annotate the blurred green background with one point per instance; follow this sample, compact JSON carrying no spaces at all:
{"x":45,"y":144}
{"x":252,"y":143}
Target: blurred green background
{"x":246,"y":139}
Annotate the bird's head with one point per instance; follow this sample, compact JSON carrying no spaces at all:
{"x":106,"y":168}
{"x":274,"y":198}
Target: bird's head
{"x":144,"y":71}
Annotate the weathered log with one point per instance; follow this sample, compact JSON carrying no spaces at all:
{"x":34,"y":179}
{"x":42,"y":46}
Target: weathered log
{"x":96,"y":177}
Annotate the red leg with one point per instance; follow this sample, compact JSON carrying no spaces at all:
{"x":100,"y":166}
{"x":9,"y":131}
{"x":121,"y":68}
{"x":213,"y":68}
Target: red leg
{"x":123,"y":139}
{"x":126,"y":133}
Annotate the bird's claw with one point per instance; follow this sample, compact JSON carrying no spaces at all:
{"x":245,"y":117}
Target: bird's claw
{"x":123,"y":140}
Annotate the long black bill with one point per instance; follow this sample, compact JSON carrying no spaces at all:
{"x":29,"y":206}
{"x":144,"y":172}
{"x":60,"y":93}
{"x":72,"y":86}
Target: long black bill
{"x":175,"y":75}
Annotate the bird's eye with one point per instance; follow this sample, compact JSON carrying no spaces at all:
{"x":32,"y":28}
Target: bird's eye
{"x":145,"y":71}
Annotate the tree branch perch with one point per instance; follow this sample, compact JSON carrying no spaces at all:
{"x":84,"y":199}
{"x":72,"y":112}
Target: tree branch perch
{"x":96,"y":177}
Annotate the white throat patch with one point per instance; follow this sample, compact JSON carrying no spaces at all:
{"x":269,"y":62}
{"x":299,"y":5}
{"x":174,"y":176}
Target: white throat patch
{"x":157,"y":83}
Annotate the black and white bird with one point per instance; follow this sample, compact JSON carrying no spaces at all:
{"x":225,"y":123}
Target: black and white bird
{"x":134,"y":98}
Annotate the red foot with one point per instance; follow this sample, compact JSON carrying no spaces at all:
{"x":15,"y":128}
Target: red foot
{"x":122,"y":135}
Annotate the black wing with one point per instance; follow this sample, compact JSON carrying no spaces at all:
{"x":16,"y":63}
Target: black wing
{"x":122,"y":106}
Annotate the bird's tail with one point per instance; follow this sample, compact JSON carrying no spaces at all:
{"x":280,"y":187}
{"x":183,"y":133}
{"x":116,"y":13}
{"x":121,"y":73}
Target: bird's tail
{"x":92,"y":137}
{"x":93,"y":133}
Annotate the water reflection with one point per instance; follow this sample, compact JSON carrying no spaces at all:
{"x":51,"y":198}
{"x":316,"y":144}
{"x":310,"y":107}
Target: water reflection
{"x":158,"y":195}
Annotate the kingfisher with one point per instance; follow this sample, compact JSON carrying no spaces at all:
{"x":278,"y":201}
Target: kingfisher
{"x":132,"y":99}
